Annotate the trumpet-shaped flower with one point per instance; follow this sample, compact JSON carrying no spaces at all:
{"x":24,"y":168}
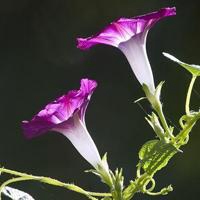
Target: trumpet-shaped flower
{"x":129,"y":35}
{"x":66,"y":115}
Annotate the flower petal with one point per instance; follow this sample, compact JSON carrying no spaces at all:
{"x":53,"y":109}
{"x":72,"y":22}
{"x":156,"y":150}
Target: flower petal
{"x":135,"y":52}
{"x":129,"y":35}
{"x":77,"y":133}
{"x":124,"y":29}
{"x":60,"y":110}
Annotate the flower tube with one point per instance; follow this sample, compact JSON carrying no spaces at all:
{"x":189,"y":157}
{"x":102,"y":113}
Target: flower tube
{"x":129,"y":35}
{"x":66,"y":115}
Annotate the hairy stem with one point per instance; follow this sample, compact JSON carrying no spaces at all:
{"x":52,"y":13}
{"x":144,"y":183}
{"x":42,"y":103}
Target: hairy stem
{"x":50,"y":181}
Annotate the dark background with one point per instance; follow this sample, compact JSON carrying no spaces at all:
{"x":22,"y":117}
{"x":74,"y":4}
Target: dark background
{"x":39,"y":61}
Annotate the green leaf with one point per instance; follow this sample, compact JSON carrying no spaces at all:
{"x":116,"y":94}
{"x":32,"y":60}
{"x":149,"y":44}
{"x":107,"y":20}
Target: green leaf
{"x":193,"y":69}
{"x":146,"y":149}
{"x":155,"y":154}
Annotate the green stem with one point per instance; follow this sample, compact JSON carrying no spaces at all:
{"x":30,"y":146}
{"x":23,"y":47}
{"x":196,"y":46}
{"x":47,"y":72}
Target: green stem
{"x":50,"y":181}
{"x":186,"y":130}
{"x":163,"y":121}
{"x":187,"y":103}
{"x":165,"y":156}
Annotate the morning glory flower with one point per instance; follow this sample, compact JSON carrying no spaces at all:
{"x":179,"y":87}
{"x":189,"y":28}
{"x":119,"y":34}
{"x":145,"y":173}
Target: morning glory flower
{"x":66,"y":115}
{"x":129,"y":35}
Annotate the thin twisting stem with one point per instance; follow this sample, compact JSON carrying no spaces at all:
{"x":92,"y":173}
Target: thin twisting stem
{"x":187,"y":103}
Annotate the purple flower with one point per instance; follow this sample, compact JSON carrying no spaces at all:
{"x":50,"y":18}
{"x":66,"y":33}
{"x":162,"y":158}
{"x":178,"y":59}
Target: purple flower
{"x":66,"y":115}
{"x":129,"y":35}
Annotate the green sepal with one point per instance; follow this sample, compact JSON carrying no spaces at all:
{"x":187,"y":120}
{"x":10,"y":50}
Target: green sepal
{"x":154,"y":98}
{"x":93,"y":171}
{"x":155,"y":124}
{"x":102,"y":171}
{"x":140,"y":99}
{"x":118,"y":184}
{"x":193,"y":69}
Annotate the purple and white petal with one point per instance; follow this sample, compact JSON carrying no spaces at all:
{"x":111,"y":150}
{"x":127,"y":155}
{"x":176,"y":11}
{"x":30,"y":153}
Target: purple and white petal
{"x":66,"y":115}
{"x":60,"y":110}
{"x":129,"y":35}
{"x":124,"y":29}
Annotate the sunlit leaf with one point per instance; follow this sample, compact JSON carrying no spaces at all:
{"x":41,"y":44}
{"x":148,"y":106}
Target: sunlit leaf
{"x":155,"y":154}
{"x":193,"y":69}
{"x":146,"y":149}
